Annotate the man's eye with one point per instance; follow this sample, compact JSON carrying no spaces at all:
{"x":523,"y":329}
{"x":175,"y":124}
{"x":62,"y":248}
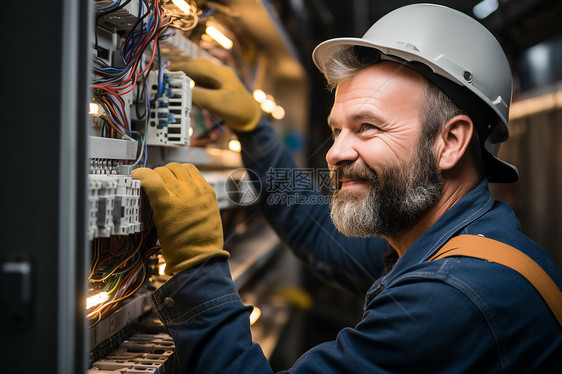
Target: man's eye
{"x":335,"y":133}
{"x":368,"y":126}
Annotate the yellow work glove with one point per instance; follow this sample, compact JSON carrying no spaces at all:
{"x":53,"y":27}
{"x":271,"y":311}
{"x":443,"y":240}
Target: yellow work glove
{"x":218,"y":89}
{"x":186,"y":214}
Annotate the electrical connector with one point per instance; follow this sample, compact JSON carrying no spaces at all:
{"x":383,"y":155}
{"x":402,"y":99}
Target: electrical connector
{"x":93,"y":197}
{"x":171,"y":117}
{"x":115,"y":206}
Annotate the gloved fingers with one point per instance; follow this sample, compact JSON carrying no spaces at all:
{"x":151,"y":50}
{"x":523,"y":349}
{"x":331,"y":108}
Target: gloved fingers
{"x":198,"y":178}
{"x":173,"y":185}
{"x":204,"y":72}
{"x":192,"y":177}
{"x":202,"y":67}
{"x":210,"y":99}
{"x":182,"y":174}
{"x":151,"y":182}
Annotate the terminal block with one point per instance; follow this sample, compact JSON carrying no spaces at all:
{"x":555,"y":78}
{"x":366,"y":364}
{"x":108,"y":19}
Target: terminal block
{"x":115,"y":206}
{"x":119,"y":207}
{"x":126,"y":209}
{"x":93,"y":197}
{"x":103,"y":166}
{"x":106,"y":201}
{"x":170,"y":117}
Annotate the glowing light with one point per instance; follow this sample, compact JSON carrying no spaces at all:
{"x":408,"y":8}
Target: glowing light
{"x":191,"y":83}
{"x":161,"y":269}
{"x":97,"y":299}
{"x":183,"y":6}
{"x":219,"y":37}
{"x":190,"y":131}
{"x":484,"y":8}
{"x":278,"y":112}
{"x":95,"y":110}
{"x":255,"y":315}
{"x":259,"y":95}
{"x":268,"y":105}
{"x":234,"y":145}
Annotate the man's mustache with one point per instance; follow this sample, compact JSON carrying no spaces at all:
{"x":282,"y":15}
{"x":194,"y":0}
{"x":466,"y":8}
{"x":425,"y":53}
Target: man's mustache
{"x":355,"y":171}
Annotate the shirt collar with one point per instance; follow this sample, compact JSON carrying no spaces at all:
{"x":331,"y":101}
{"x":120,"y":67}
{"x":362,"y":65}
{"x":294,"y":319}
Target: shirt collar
{"x":472,"y":206}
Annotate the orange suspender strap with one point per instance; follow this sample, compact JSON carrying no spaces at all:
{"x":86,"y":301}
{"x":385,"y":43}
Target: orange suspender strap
{"x":503,"y":254}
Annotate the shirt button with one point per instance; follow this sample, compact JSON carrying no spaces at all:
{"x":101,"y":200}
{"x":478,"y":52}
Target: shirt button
{"x":169,"y":302}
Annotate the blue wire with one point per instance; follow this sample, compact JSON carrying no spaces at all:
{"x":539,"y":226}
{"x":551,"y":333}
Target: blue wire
{"x":117,"y":107}
{"x":128,"y":40}
{"x":134,"y":35}
{"x":116,"y":122}
{"x":115,"y":4}
{"x":134,"y":40}
{"x":110,"y":69}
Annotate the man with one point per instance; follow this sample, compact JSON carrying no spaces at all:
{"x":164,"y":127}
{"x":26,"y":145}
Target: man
{"x":418,"y":101}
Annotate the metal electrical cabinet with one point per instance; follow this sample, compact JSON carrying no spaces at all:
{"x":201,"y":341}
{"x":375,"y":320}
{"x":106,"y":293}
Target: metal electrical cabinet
{"x":68,"y":148}
{"x":44,"y":155}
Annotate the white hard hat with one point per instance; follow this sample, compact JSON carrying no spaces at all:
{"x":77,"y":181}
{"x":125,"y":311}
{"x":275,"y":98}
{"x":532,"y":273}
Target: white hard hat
{"x":457,"y":54}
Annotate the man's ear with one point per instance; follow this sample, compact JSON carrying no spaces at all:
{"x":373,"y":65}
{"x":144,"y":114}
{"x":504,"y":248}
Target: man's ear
{"x":452,"y":142}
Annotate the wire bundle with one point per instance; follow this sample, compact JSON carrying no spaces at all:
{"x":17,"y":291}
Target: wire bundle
{"x":119,"y":268}
{"x":185,"y":17}
{"x":111,"y":83}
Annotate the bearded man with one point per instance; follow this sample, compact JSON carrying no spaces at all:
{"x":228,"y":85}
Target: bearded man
{"x":421,"y":102}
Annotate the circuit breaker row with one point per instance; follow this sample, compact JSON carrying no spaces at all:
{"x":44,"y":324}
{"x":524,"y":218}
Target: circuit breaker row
{"x":115,"y":206}
{"x":170,"y":118}
{"x":141,"y":353}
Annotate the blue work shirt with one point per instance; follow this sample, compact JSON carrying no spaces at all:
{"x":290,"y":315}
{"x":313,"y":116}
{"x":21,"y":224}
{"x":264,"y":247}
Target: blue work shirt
{"x":454,"y":315}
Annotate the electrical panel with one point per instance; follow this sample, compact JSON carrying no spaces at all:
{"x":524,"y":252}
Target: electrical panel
{"x":82,"y":256}
{"x":142,"y":115}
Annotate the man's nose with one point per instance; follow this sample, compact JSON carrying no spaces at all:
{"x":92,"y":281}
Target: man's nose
{"x":342,"y":150}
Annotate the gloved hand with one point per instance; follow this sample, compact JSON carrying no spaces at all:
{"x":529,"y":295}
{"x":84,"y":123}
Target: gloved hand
{"x":186,"y":214}
{"x":218,"y":89}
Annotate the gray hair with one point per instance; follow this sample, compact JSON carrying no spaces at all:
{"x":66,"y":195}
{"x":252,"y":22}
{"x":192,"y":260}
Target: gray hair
{"x":436,"y":107}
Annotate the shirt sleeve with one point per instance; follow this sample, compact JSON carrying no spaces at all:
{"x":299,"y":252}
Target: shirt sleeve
{"x":300,"y":214}
{"x":405,"y":328}
{"x":203,"y":312}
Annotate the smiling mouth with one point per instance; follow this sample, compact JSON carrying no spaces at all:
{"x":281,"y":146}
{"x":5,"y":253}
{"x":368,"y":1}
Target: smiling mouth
{"x":350,"y":178}
{"x":348,"y":183}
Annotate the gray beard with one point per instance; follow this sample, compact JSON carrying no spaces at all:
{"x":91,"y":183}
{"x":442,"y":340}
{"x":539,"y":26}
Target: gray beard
{"x":397,"y":198}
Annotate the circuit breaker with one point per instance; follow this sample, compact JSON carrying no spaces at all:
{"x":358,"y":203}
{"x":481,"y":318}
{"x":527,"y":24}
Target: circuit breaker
{"x":170,"y":119}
